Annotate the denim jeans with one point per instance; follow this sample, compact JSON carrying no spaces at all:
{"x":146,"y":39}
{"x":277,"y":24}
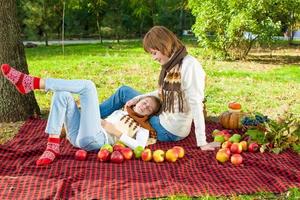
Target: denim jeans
{"x":82,"y":126}
{"x":119,"y":99}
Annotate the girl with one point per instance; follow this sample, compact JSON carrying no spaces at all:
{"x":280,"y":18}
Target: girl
{"x":181,"y":88}
{"x":83,"y":126}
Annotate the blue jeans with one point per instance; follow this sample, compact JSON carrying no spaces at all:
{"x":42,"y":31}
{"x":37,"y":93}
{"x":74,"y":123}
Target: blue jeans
{"x":83,"y":127}
{"x":119,"y":99}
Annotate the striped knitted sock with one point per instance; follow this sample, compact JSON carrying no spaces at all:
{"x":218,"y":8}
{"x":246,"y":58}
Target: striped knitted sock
{"x":51,"y":152}
{"x":23,"y":82}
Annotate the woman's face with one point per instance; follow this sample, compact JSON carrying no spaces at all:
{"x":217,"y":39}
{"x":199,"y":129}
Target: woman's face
{"x":144,"y":107}
{"x":158,"y":56}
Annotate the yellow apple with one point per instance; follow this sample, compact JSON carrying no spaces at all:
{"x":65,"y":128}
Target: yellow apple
{"x":222,"y":156}
{"x":171,"y":155}
{"x":244,"y":145}
{"x":158,"y":156}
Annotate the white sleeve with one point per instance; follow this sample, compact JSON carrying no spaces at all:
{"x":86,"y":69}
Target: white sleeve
{"x":140,"y":140}
{"x":193,"y":83}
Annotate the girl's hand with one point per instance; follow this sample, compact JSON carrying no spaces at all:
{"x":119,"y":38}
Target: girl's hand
{"x":131,"y":102}
{"x":210,"y":146}
{"x":110,"y":128}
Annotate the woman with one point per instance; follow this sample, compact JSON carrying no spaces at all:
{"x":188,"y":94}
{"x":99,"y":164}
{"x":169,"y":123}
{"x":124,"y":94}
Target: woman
{"x":181,"y":89}
{"x":83,"y":126}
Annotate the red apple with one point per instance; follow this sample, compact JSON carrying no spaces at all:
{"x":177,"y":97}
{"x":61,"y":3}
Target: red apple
{"x":118,"y":147}
{"x":119,"y":142}
{"x":226,"y":144}
{"x":221,"y":133}
{"x":159,"y":156}
{"x":236,"y":148}
{"x":116,"y":157}
{"x":146,"y":155}
{"x":180,"y":151}
{"x":127,"y":153}
{"x":236,"y":159}
{"x":244,"y":145}
{"x":81,"y":154}
{"x":226,"y":132}
{"x":103,"y":155}
{"x":253,"y":147}
{"x":222,"y":156}
{"x":227,"y":150}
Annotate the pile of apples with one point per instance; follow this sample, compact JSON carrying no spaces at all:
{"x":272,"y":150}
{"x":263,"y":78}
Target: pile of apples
{"x":232,"y":147}
{"x":118,"y":153}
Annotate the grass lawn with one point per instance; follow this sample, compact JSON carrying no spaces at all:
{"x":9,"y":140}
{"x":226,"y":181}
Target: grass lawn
{"x":263,"y":83}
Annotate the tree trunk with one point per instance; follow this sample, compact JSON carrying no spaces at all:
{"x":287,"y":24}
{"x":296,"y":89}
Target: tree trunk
{"x":13,"y":105}
{"x":46,"y":39}
{"x":141,"y":27}
{"x":98,"y":26}
{"x":181,"y":19}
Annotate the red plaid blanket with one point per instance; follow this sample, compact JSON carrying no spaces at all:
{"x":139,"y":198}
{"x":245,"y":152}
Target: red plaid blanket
{"x":198,"y":173}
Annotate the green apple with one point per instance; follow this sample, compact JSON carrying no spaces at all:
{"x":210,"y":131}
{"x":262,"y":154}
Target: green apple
{"x":138,"y":151}
{"x":108,"y":147}
{"x":235,"y":138}
{"x":219,"y":138}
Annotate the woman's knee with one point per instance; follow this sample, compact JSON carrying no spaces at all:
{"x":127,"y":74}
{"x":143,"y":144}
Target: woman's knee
{"x":124,"y":89}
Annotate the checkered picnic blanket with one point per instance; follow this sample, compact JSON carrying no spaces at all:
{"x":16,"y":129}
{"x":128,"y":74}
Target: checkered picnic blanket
{"x":198,"y":173}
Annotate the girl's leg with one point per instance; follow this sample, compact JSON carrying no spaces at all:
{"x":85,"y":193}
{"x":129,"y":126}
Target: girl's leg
{"x":63,"y":111}
{"x":162,"y":134}
{"x":90,"y":135}
{"x":117,"y":100}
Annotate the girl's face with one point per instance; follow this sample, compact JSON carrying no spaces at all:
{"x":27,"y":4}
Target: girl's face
{"x":145,"y":107}
{"x":158,"y":56}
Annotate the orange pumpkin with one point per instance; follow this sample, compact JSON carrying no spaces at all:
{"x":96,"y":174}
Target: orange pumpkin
{"x":231,"y":120}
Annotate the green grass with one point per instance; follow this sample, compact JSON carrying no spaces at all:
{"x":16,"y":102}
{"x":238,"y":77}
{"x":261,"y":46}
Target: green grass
{"x":257,"y":85}
{"x":291,"y":194}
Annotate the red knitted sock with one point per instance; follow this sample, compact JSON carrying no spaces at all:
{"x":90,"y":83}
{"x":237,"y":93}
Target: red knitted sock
{"x":51,"y":152}
{"x":23,"y":82}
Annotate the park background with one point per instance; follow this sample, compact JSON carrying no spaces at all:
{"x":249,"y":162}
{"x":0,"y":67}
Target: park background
{"x":249,"y":50}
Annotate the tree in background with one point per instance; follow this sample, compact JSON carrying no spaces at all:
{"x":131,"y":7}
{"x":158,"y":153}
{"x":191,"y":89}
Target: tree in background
{"x":231,"y":27}
{"x":98,"y":7}
{"x":114,"y":19}
{"x":288,"y":12}
{"x":42,"y":17}
{"x":143,"y":10}
{"x":175,"y":15}
{"x":13,"y":105}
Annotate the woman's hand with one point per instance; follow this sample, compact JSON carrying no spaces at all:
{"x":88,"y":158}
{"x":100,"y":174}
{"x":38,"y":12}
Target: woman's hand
{"x":131,"y":102}
{"x":210,"y":146}
{"x":110,"y":128}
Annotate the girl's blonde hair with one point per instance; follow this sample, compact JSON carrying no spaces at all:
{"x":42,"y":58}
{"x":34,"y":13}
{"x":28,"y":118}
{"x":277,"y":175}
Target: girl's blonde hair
{"x":162,"y":39}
